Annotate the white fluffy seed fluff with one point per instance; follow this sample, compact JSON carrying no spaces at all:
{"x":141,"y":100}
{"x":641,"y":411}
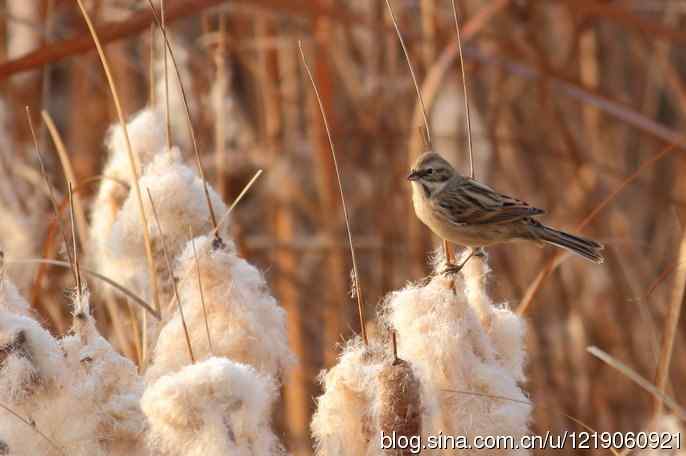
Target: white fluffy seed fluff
{"x":146,"y":132}
{"x":246,"y":324}
{"x":214,"y":408}
{"x":180,"y":201}
{"x":458,"y":347}
{"x":30,"y":358}
{"x":107,"y":381}
{"x":181,"y":204}
{"x":343,"y":424}
{"x":11,"y":300}
{"x":35,"y":382}
{"x":456,"y":342}
{"x":81,"y":377}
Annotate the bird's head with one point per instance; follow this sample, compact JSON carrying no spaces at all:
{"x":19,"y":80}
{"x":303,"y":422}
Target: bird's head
{"x":431,"y":171}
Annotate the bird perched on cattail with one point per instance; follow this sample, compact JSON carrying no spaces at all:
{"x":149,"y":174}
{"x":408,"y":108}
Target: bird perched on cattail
{"x":466,"y":212}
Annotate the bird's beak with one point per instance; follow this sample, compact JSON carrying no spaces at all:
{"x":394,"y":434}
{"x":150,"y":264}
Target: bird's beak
{"x":413,"y":176}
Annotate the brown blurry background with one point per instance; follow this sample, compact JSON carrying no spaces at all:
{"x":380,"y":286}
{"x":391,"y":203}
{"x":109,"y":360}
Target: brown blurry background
{"x":574,"y":104}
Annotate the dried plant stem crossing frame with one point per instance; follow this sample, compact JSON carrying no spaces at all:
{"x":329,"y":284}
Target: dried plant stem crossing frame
{"x":358,"y":289}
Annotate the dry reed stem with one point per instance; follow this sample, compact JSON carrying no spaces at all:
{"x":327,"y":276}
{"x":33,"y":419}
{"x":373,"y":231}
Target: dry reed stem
{"x":82,"y":223}
{"x":51,"y":193}
{"x":122,"y":289}
{"x":138,"y":338}
{"x":434,"y":77}
{"x":134,"y":160}
{"x":537,"y":283}
{"x":171,"y":274}
{"x":191,"y":130}
{"x":358,"y":289}
{"x":464,"y":87}
{"x":236,"y":201}
{"x":400,"y":399}
{"x":639,"y":380}
{"x":77,"y":270}
{"x":446,"y":246}
{"x":32,"y":425}
{"x":414,"y":78}
{"x":671,"y":327}
{"x":200,"y":290}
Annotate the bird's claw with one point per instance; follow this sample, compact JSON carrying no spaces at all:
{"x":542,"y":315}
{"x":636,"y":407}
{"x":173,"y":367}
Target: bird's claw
{"x":452,"y":269}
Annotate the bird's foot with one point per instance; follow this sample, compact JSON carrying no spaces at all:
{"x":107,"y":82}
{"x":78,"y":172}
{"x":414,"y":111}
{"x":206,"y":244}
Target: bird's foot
{"x":452,"y":269}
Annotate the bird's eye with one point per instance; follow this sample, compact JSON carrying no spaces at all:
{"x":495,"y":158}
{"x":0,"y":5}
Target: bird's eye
{"x":430,"y":171}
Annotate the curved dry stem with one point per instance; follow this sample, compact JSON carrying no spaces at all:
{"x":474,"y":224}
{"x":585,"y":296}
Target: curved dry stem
{"x":472,"y":174}
{"x":414,"y":78}
{"x":32,"y":426}
{"x":77,"y":270}
{"x":671,"y":326}
{"x":69,"y":174}
{"x":171,"y":274}
{"x":639,"y":380}
{"x":191,"y":130}
{"x":236,"y":201}
{"x":360,"y":299}
{"x":134,"y":161}
{"x":555,"y":260}
{"x":200,"y":289}
{"x":121,"y":288}
{"x":51,"y":194}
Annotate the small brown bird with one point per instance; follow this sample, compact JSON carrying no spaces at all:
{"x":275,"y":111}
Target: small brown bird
{"x":466,"y":212}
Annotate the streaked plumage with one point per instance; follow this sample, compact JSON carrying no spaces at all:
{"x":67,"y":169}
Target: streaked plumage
{"x":467,"y":212}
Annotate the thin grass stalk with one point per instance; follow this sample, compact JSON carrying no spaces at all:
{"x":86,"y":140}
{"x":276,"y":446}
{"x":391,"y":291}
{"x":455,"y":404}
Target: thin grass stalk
{"x":200,"y":290}
{"x":32,"y":425}
{"x":191,"y":130}
{"x":51,"y":192}
{"x":671,"y":327}
{"x":446,"y":245}
{"x":537,"y":283}
{"x":134,"y":160}
{"x":358,"y":288}
{"x":121,"y":288}
{"x":81,"y":221}
{"x":298,"y":388}
{"x":639,"y":380}
{"x":238,"y":199}
{"x":171,"y":274}
{"x":466,"y":96}
{"x":77,"y":271}
{"x":414,"y":78}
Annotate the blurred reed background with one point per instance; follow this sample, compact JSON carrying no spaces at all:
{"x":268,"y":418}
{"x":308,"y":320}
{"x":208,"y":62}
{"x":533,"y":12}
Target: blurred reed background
{"x":577,"y":107}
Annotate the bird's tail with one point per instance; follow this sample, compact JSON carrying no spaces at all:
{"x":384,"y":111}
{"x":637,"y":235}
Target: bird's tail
{"x":587,"y":248}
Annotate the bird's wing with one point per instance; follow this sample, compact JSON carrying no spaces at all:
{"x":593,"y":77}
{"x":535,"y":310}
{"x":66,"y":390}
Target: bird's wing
{"x":472,"y":203}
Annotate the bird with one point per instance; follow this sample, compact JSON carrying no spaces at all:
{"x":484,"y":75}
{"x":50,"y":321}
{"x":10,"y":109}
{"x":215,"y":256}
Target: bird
{"x":466,"y":212}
